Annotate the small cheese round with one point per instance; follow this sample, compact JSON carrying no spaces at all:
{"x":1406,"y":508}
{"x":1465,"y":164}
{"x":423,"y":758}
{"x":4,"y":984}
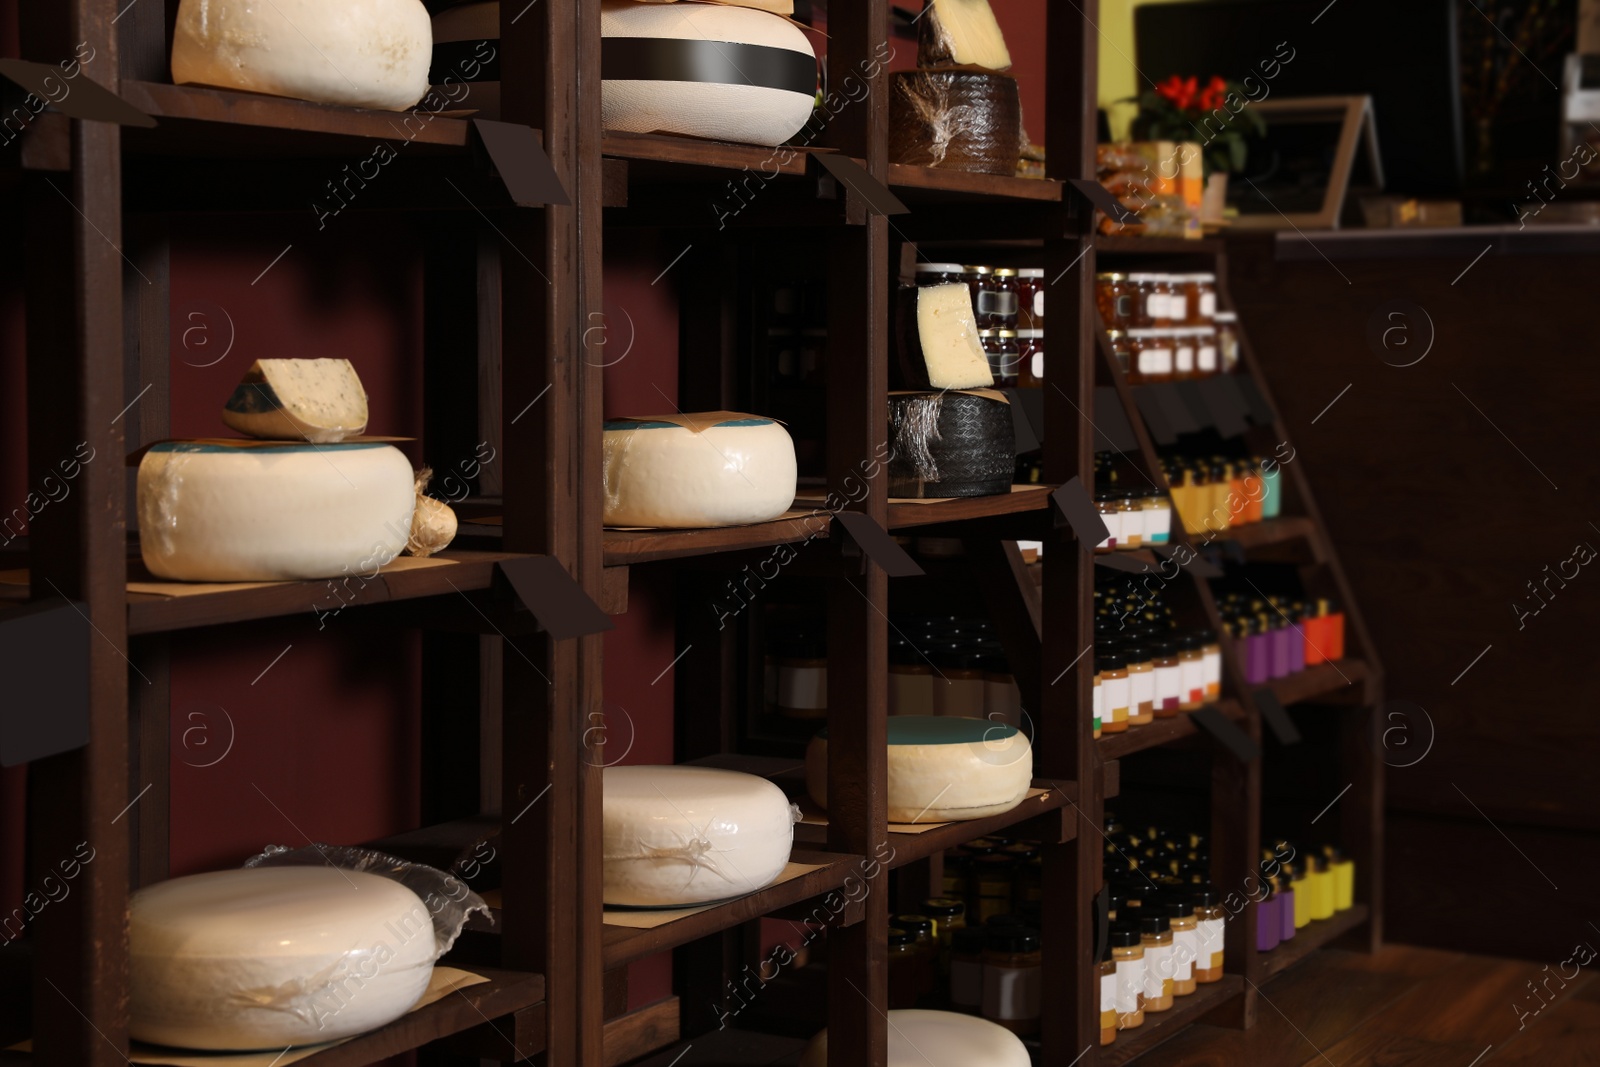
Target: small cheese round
{"x":212,"y":512}
{"x":942,"y":769}
{"x":677,"y":836}
{"x":646,"y":89}
{"x":362,"y":53}
{"x":274,"y":956}
{"x":920,"y":1038}
{"x":731,"y":472}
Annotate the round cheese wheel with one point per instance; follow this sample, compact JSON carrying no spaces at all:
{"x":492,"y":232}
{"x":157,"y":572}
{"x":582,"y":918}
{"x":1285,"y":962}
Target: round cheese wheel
{"x":942,"y":769}
{"x":920,"y":1038}
{"x":679,"y":836}
{"x":705,"y":70}
{"x":219,"y":513}
{"x":363,"y":53}
{"x":274,"y":956}
{"x":731,"y":472}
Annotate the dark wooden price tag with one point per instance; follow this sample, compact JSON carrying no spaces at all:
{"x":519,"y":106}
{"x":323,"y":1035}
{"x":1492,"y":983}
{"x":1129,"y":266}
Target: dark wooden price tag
{"x":1074,"y":505}
{"x":855,"y":177}
{"x":875,"y":541}
{"x":1190,"y":560}
{"x":1027,"y":418}
{"x":1227,"y":406}
{"x":44,"y":658}
{"x":77,"y":97}
{"x":520,"y":161}
{"x":1232,"y":738}
{"x":1155,"y":415}
{"x":545,"y":588}
{"x":1111,"y":425}
{"x":1119,"y":561}
{"x":1179,"y":417}
{"x":1277,"y":720}
{"x":1099,"y":196}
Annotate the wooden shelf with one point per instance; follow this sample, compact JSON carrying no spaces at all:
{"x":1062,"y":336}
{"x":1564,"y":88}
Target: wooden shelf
{"x":505,"y":992}
{"x":192,"y":120}
{"x":933,"y":185}
{"x":1160,"y":732}
{"x":1270,"y":532}
{"x":1313,"y":683}
{"x":1162,"y":1026}
{"x":624,"y":944}
{"x":683,"y":157}
{"x":150,"y":612}
{"x":1307,"y":939}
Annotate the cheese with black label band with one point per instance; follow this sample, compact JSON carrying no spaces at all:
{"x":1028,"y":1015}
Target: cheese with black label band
{"x":942,"y":769}
{"x":677,"y":836}
{"x":697,"y":469}
{"x":216,"y":512}
{"x":318,"y":400}
{"x":269,"y":957}
{"x":360,"y":53}
{"x":704,"y":70}
{"x":951,"y":444}
{"x":919,"y":1038}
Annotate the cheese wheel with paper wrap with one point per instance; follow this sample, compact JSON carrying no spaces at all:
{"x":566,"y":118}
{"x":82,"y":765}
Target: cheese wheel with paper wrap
{"x":719,"y":468}
{"x":942,"y":769}
{"x":704,"y":70}
{"x":677,"y":836}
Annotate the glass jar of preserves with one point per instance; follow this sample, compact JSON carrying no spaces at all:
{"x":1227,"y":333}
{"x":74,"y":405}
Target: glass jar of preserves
{"x":1108,"y":504}
{"x":1185,"y":945}
{"x":1011,"y":979}
{"x":948,"y":915}
{"x":1027,"y":877}
{"x":1005,"y":357}
{"x":957,"y":864}
{"x":1000,"y":300}
{"x":905,"y":969}
{"x":1168,"y":677}
{"x":1108,"y":996}
{"x":1118,"y":298}
{"x":803,"y":679}
{"x":920,"y":927}
{"x":1127,"y":949}
{"x":1157,"y":519}
{"x":1141,"y":683}
{"x":1116,"y":691}
{"x":1030,"y":358}
{"x":1205,"y":351}
{"x":1149,"y":302}
{"x":1202,"y":293}
{"x":1174,"y":304}
{"x":1097,"y":706}
{"x":1030,"y":298}
{"x":1211,"y":665}
{"x":1122,"y":351}
{"x":1155,"y":933}
{"x":1227,"y":324}
{"x":1152,"y":356}
{"x":1210,"y":920}
{"x":1192,"y":672}
{"x":966,"y":969}
{"x":939,"y":274}
{"x":1130,"y":522}
{"x":993,"y":879}
{"x":1183,"y":354}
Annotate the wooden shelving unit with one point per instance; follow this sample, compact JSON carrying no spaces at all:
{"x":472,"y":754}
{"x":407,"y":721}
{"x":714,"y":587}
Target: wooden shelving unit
{"x":519,"y":289}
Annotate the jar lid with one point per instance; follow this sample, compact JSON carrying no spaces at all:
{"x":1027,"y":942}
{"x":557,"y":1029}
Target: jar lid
{"x":943,"y":906}
{"x":1037,"y":334}
{"x":986,"y":333}
{"x":914,"y":924}
{"x":978,"y":270}
{"x":1205,"y":895}
{"x":1124,"y":935}
{"x":1005,"y":272}
{"x":1153,"y":923}
{"x":1003,"y":334}
{"x":1105,"y":275}
{"x":1109,"y":661}
{"x":1031,"y":272}
{"x":1135,"y":653}
{"x":1226,"y":316}
{"x":1012,"y":939}
{"x":1178,"y":908}
{"x":898,"y":936}
{"x":939,"y":268}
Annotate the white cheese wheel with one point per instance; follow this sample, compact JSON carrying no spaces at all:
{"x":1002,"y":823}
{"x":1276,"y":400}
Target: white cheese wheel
{"x":274,"y":956}
{"x":920,"y":1038}
{"x":317,"y":400}
{"x":684,"y":835}
{"x":646,"y":90}
{"x":731,"y":472}
{"x":942,"y":769}
{"x":363,"y":53}
{"x":219,"y":513}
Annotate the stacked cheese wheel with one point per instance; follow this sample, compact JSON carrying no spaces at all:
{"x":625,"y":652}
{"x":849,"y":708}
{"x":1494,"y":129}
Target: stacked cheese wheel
{"x":942,"y":769}
{"x":957,"y":110}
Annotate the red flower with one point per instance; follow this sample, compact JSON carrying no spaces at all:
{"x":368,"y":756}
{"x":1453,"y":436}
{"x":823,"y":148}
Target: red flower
{"x":1185,"y":94}
{"x":1212,"y":96}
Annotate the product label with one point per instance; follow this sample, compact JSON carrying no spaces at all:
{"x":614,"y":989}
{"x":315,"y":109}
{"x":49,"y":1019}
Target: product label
{"x":991,"y":303}
{"x":1208,"y":305}
{"x":1211,"y":668}
{"x":1011,"y":992}
{"x":1118,"y":692}
{"x":1099,"y":702}
{"x":1177,"y":307}
{"x":1210,"y":942}
{"x":1205,"y":358}
{"x":1108,"y":992}
{"x":1113,"y":528}
{"x":803,"y":687}
{"x":1169,"y":686}
{"x":1130,"y":986}
{"x":1155,"y":305}
{"x":1158,"y":525}
{"x":1194,"y":683}
{"x":1144,"y":688}
{"x":1124,"y":306}
{"x":1155,"y":361}
{"x":966,"y":983}
{"x":1185,"y":950}
{"x":1157,"y":969}
{"x":1185,"y":358}
{"x":1038,"y":365}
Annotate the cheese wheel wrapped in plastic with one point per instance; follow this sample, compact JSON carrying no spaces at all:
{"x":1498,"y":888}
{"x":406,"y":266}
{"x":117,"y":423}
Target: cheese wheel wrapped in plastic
{"x":704,"y":70}
{"x":362,"y":53}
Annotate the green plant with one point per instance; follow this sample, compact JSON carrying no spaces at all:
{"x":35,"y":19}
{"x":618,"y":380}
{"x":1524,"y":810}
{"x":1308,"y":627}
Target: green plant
{"x":1217,"y":116}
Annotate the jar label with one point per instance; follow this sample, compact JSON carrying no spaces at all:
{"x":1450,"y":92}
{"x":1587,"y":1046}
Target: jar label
{"x":1124,"y":306}
{"x":803,"y":687}
{"x":1185,"y":359}
{"x":1108,"y":992}
{"x":1194,"y":682}
{"x":1169,"y":686}
{"x":1177,"y":307}
{"x":1130,"y":986}
{"x":1117,"y":691}
{"x":1113,"y":528}
{"x":1206,"y":358}
{"x":966,"y":983}
{"x":1157,"y":970}
{"x":1038,"y":366}
{"x":1010,"y":992}
{"x":1155,"y":361}
{"x":1211,"y":668}
{"x":1208,"y":305}
{"x":1144,"y":688}
{"x":1185,"y":950}
{"x":1155,"y":305}
{"x":1158,"y":524}
{"x":1210,"y":947}
{"x":1099,"y":702}
{"x":992,"y":303}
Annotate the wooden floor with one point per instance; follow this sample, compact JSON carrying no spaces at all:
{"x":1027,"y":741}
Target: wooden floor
{"x":1405,"y":1007}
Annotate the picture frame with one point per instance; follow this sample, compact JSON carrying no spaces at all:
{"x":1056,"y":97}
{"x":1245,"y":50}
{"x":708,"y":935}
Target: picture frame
{"x":1315,"y":143}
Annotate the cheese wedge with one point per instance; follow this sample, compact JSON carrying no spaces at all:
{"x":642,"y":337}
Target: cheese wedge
{"x":961,"y":33}
{"x":316,"y":400}
{"x":947,"y":331}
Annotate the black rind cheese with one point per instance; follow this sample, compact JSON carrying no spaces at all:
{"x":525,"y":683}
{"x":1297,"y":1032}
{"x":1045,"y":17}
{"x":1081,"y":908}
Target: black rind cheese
{"x":950,"y":444}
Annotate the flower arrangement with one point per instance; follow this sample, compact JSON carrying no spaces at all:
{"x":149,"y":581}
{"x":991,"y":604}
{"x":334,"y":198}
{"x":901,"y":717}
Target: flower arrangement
{"x":1216,"y":115}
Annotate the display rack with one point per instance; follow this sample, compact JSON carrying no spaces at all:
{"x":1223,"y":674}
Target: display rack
{"x":508,"y":311}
